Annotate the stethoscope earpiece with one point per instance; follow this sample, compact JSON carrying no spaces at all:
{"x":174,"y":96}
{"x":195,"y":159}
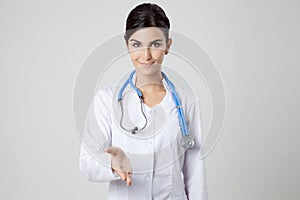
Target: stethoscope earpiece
{"x":133,"y":131}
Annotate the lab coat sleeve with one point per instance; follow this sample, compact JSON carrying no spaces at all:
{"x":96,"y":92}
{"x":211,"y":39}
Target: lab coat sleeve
{"x":194,"y":168}
{"x":94,"y":163}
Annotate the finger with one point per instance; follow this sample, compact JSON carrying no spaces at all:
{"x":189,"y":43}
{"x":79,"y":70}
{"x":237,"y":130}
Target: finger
{"x":128,"y":179}
{"x":122,"y":175}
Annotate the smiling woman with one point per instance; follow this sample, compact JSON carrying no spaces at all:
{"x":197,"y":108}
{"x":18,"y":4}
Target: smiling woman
{"x":147,"y":40}
{"x":147,"y":48}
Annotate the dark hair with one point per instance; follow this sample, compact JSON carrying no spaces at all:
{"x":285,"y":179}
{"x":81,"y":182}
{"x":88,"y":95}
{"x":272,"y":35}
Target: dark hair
{"x":146,"y":15}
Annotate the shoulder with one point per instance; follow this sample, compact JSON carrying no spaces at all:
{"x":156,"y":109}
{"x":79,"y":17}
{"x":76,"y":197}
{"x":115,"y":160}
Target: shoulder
{"x":105,"y":93}
{"x":103,"y":97}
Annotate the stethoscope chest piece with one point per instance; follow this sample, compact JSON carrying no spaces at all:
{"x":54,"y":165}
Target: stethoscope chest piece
{"x":187,"y":142}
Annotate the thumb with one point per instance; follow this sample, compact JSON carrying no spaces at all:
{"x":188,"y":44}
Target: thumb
{"x":111,"y":150}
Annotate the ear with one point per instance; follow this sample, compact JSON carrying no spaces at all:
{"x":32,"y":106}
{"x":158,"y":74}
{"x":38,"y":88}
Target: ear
{"x":168,"y":46}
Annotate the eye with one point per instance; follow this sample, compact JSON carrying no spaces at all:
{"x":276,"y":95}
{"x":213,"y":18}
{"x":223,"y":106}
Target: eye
{"x":156,"y":44}
{"x":136,"y":45}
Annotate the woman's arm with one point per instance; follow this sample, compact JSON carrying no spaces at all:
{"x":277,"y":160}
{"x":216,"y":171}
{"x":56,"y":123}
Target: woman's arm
{"x":94,"y":162}
{"x":194,"y":168}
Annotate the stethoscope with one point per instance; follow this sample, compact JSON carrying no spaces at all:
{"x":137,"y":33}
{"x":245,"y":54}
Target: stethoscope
{"x":186,"y":141}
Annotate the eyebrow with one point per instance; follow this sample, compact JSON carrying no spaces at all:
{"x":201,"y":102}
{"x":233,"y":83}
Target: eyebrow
{"x":157,"y":40}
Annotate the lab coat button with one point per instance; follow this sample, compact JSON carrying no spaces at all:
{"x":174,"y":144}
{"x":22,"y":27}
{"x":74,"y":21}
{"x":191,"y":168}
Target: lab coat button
{"x":148,"y":175}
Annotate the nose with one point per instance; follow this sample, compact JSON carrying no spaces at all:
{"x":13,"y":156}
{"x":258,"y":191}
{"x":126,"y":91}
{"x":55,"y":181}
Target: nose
{"x":147,"y":53}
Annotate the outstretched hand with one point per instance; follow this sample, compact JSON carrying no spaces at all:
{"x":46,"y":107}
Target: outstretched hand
{"x":120,"y":163}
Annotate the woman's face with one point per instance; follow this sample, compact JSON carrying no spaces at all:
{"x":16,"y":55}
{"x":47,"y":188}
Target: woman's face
{"x":147,"y":48}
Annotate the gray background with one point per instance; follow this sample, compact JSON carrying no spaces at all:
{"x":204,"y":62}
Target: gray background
{"x":255,"y":45}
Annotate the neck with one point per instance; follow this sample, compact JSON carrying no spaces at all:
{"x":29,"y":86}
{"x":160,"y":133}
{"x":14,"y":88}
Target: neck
{"x":149,"y":83}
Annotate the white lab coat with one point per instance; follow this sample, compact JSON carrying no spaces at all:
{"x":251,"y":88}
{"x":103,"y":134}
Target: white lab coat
{"x":154,"y":177}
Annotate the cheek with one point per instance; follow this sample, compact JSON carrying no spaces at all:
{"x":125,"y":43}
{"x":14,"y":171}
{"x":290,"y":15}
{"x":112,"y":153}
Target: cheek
{"x":158,"y":55}
{"x":134,"y":56}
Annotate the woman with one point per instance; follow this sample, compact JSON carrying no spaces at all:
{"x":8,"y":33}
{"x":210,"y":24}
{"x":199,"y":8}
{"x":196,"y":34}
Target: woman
{"x":141,"y":160}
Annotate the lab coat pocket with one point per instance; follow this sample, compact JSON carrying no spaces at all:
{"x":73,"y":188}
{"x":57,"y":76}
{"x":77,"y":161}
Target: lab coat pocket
{"x":180,"y":198}
{"x":162,"y":183}
{"x":117,"y":190}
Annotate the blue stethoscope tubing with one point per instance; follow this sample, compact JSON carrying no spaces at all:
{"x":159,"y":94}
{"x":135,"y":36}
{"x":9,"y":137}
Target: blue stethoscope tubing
{"x":187,"y":141}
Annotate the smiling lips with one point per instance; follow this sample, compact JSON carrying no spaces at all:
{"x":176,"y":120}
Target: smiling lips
{"x":146,"y":64}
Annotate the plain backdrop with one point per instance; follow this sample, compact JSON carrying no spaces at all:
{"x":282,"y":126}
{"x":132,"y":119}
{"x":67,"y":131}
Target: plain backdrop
{"x":254,"y":44}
